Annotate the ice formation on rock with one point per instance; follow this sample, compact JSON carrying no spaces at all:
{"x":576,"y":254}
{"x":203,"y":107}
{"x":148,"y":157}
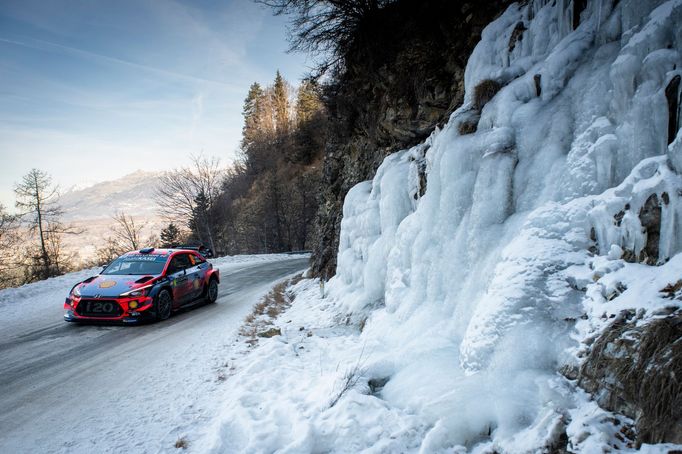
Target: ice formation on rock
{"x":477,"y":277}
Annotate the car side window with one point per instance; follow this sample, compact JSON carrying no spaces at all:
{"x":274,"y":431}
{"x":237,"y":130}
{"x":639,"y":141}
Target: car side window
{"x":179,"y":263}
{"x":196,"y":259}
{"x":173,"y":266}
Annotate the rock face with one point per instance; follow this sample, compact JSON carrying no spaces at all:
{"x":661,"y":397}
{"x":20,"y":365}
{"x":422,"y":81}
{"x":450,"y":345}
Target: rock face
{"x":398,"y":86}
{"x":635,"y":369}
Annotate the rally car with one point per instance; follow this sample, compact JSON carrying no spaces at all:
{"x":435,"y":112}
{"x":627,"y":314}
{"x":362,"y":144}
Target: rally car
{"x":145,"y":284}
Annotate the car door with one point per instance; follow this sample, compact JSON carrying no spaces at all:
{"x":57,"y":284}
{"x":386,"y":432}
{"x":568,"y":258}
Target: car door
{"x":195,"y":276}
{"x":177,"y":274}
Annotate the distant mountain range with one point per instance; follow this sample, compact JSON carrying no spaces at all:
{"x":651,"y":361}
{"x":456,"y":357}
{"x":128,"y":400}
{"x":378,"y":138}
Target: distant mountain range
{"x":91,"y":209}
{"x":132,"y":194}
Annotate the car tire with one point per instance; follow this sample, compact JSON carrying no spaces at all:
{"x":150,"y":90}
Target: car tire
{"x":164,"y":305}
{"x":212,"y":291}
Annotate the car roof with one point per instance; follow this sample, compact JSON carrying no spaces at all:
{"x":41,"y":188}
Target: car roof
{"x":165,"y":251}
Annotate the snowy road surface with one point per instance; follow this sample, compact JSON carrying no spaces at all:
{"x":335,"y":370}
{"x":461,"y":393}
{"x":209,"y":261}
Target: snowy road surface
{"x":72,"y":388}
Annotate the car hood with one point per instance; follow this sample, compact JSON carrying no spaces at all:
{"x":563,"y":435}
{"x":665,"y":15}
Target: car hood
{"x":106,"y":286}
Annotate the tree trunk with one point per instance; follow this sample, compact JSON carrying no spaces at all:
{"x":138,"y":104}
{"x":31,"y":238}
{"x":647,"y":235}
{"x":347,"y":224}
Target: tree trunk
{"x":43,"y":248}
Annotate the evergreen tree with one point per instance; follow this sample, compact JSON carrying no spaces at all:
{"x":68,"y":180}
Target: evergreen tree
{"x":201,"y":222}
{"x":253,"y":105}
{"x":255,"y":93}
{"x":311,"y":124}
{"x":170,"y":236}
{"x":280,"y":98}
{"x":308,"y":102}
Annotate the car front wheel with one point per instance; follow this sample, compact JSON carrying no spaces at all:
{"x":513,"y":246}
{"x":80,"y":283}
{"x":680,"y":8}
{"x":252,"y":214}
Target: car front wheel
{"x":164,"y":304}
{"x":212,"y":291}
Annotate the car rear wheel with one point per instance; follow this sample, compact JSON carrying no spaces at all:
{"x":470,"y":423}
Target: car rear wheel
{"x":212,"y":291}
{"x":164,"y":304}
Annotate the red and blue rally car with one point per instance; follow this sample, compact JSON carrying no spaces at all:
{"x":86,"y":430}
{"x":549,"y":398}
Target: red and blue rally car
{"x":145,"y":284}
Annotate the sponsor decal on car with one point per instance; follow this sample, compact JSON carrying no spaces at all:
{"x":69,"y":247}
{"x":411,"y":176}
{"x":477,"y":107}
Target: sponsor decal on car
{"x":144,"y":258}
{"x":107,"y":284}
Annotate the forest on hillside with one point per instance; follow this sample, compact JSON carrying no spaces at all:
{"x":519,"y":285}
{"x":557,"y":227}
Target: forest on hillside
{"x":266,"y":201}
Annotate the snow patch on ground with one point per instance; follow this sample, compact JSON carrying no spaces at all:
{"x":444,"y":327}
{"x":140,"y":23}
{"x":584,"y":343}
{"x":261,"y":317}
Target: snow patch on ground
{"x":281,"y":396}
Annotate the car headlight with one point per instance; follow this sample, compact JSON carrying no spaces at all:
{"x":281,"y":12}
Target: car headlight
{"x":142,"y":291}
{"x":76,"y":290}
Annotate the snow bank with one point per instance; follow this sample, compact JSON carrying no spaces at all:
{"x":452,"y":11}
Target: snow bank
{"x":472,"y":296}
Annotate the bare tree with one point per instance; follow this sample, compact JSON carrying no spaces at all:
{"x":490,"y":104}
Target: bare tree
{"x":326,"y":29}
{"x":9,"y":241}
{"x":125,"y":236}
{"x":126,"y":233}
{"x":37,"y":201}
{"x":189,"y":194}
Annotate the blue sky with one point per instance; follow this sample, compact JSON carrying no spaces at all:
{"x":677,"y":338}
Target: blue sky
{"x":92,"y":90}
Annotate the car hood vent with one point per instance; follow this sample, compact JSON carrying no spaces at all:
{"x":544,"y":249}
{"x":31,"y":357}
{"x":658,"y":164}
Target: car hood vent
{"x":144,"y":279}
{"x":90,"y":279}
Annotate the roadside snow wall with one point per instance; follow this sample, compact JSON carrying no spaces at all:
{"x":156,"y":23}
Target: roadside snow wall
{"x":468,"y":252}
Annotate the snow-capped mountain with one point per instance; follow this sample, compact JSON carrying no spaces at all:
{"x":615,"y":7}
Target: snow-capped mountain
{"x":91,"y":210}
{"x":132,"y":194}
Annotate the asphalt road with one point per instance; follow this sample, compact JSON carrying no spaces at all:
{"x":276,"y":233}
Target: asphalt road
{"x":57,"y":377}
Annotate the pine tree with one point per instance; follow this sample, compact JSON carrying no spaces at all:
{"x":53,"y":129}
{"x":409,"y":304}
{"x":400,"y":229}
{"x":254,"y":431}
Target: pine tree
{"x":170,"y":236}
{"x":201,"y":222}
{"x":311,"y":124}
{"x":280,"y":97}
{"x":308,"y":101}
{"x":252,"y":106}
{"x":255,"y":93}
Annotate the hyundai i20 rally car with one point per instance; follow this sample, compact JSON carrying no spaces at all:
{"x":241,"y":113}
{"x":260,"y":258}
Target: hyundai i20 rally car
{"x":145,"y":284}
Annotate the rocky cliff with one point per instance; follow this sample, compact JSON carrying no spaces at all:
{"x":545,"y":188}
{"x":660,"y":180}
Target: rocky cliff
{"x":404,"y":77}
{"x":632,"y":369}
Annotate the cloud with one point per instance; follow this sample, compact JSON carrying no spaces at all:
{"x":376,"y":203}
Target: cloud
{"x":42,"y":45}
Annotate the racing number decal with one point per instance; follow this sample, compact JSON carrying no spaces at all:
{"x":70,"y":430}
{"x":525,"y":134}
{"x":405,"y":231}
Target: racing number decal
{"x":99,"y":306}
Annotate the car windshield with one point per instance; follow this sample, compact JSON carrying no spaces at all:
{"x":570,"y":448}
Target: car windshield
{"x":137,"y":264}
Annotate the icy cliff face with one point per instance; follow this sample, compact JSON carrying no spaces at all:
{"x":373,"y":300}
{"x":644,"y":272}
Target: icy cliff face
{"x":472,"y":252}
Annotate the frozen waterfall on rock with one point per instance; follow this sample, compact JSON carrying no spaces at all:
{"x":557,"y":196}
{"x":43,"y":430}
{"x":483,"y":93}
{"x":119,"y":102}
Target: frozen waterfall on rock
{"x":471,"y":253}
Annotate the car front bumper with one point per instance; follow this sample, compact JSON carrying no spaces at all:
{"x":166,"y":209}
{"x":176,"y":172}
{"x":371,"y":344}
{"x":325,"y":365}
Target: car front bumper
{"x":143,"y":312}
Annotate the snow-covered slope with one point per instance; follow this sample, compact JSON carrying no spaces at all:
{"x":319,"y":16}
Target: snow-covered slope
{"x":476,"y":264}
